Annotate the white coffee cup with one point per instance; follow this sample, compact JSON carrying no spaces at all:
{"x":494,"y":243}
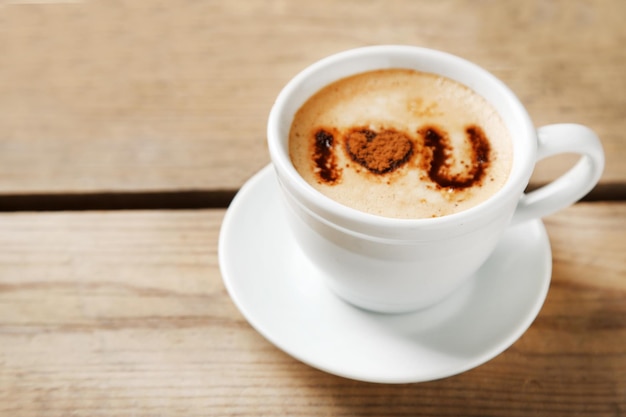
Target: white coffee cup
{"x":394,"y":265}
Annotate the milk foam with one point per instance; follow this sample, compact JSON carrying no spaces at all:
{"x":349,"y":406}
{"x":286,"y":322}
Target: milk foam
{"x":405,"y":102}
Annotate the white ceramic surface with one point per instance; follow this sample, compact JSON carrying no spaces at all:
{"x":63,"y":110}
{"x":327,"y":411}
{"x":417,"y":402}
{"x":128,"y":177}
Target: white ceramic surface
{"x":284,"y":297}
{"x":385,"y":264}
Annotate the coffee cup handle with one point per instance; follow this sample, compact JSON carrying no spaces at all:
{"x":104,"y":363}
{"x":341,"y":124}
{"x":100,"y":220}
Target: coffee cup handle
{"x":573,"y":184}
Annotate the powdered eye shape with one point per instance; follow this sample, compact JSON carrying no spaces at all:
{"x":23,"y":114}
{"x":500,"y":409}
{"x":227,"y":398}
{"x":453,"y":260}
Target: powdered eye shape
{"x":324,"y":156}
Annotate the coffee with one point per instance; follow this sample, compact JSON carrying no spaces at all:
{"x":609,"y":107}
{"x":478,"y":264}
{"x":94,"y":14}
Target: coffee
{"x":401,"y":143}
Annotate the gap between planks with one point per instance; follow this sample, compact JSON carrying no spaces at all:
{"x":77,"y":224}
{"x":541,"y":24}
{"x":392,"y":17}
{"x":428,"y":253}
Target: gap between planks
{"x":182,"y":200}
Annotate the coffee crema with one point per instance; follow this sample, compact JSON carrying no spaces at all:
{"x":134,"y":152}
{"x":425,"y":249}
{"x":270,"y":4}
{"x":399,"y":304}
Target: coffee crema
{"x":401,"y":143}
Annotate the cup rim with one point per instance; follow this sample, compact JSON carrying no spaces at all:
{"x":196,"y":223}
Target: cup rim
{"x":362,"y":223}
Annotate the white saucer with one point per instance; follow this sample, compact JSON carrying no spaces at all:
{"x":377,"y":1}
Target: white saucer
{"x":283,"y":297}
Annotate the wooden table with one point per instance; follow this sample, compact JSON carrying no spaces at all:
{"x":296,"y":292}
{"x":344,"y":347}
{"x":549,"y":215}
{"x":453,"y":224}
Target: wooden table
{"x":127,"y":126}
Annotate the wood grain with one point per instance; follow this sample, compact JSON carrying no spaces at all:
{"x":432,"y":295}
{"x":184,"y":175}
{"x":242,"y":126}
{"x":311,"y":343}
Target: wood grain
{"x":124,"y":313}
{"x":145,"y":95}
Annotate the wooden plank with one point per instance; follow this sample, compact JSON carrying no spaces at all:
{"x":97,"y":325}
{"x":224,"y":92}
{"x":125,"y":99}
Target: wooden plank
{"x":124,"y":313}
{"x":143,"y":95}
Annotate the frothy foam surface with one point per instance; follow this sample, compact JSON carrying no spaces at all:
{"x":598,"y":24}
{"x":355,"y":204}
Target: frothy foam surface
{"x":401,"y":143}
